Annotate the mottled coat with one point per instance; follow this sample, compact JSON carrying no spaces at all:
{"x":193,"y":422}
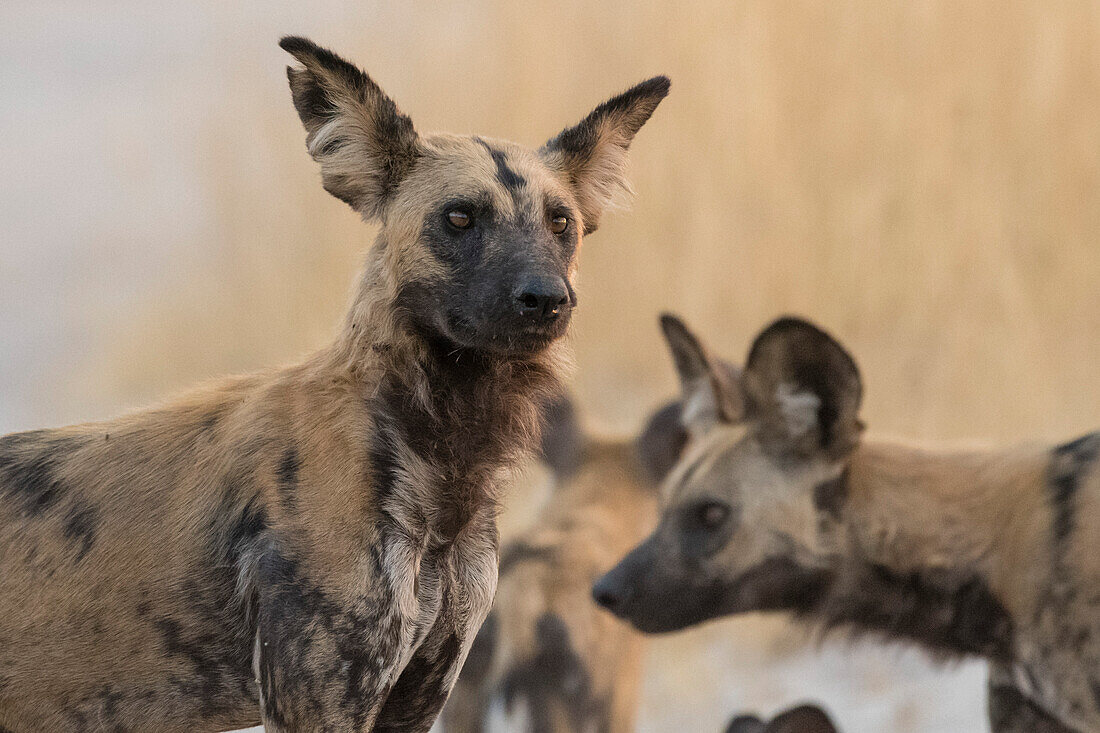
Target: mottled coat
{"x":779,"y":503}
{"x":315,"y":547}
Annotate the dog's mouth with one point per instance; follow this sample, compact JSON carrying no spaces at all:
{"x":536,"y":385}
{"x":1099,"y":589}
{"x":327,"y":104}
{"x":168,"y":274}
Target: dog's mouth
{"x":506,"y":338}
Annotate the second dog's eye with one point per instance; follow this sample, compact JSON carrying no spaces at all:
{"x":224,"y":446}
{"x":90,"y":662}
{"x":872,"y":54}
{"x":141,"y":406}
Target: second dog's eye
{"x":712,"y":515}
{"x":459,"y":219}
{"x":558,"y":224}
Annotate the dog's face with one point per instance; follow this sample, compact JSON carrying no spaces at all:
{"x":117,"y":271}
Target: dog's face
{"x":481,"y":235}
{"x":740,"y":527}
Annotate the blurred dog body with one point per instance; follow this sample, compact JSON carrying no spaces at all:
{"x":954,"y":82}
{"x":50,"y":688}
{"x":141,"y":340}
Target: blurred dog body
{"x":778,"y":504}
{"x":548,"y":659}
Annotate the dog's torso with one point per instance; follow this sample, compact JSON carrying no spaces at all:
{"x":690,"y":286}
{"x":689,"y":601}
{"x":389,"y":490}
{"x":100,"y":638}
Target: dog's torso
{"x":136,"y":554}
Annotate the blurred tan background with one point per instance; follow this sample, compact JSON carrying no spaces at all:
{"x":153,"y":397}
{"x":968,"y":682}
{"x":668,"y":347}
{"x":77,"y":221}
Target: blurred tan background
{"x":922,"y":178}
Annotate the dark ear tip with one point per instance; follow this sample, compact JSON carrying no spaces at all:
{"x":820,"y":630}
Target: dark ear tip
{"x":658,"y":86}
{"x":296,"y":45}
{"x":795,"y":326}
{"x":672,"y":324}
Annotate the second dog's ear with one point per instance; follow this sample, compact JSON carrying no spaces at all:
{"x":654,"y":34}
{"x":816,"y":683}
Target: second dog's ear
{"x":711,"y":393}
{"x":364,"y":144}
{"x":661,"y":442}
{"x":563,"y":440}
{"x":592,"y":153}
{"x":803,"y":391}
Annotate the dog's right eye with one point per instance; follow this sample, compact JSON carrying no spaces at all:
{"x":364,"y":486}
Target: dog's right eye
{"x":459,"y":219}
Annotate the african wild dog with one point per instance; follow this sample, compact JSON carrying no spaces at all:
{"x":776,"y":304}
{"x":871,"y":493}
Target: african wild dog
{"x":548,"y":659}
{"x":799,"y":719}
{"x":315,"y":546}
{"x":778,"y":504}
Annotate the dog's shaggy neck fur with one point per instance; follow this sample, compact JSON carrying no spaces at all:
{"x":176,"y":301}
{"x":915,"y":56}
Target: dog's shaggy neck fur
{"x":920,"y":544}
{"x":453,"y":418}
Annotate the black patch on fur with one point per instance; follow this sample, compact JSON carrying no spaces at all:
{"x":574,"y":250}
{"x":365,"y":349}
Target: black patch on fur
{"x":944,"y":612}
{"x":211,"y":636}
{"x":554,"y":678}
{"x":80,"y":527}
{"x":287,"y":475}
{"x":831,"y":496}
{"x":562,"y":446}
{"x":660,"y":443}
{"x":505,"y":175}
{"x":316,"y":656}
{"x":519,"y":552}
{"x":1010,"y":711}
{"x":1068,"y":466}
{"x":420,"y":690}
{"x":28,"y":470}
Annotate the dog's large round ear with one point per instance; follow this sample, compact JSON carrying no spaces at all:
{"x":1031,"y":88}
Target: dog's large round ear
{"x":802,"y":719}
{"x":803,"y":391}
{"x":364,"y":144}
{"x":709,"y":386}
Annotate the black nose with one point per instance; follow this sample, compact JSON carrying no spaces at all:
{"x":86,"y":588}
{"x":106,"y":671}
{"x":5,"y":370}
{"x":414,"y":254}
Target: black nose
{"x":542,"y":297}
{"x":607,"y":593}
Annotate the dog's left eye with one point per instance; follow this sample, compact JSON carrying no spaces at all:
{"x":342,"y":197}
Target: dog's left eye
{"x":459,"y":219}
{"x":558,"y":224}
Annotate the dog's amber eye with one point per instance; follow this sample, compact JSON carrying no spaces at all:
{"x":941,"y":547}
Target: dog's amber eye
{"x":558,"y":224}
{"x":459,"y":219}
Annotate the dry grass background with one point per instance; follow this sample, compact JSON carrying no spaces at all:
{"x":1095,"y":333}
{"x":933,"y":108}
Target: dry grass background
{"x":923,"y":178}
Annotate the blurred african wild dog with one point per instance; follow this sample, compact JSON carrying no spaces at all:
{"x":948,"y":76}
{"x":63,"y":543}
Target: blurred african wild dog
{"x":548,"y":659}
{"x":315,"y":546}
{"x":778,"y":504}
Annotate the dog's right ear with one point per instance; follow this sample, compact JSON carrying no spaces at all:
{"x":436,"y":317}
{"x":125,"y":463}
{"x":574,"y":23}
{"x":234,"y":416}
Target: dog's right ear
{"x":364,"y":144}
{"x":710,"y":387}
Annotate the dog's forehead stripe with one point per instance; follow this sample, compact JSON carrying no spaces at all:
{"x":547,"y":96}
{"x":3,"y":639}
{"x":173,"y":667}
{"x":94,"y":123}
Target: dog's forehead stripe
{"x":506,"y":176}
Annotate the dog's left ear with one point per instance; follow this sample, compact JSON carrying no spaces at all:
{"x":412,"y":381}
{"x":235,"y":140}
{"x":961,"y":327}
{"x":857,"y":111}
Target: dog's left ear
{"x":592,"y":154}
{"x":364,"y":144}
{"x":803,"y":391}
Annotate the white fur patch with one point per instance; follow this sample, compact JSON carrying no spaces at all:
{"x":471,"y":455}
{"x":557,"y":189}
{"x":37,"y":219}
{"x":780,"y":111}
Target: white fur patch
{"x":799,"y":409}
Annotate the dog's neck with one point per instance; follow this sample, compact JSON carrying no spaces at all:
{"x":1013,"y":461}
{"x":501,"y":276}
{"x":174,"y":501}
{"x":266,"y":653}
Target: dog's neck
{"x":935,"y":547}
{"x":446,"y":421}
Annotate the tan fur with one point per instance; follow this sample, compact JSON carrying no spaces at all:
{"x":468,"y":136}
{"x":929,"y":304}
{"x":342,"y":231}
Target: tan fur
{"x":600,"y":514}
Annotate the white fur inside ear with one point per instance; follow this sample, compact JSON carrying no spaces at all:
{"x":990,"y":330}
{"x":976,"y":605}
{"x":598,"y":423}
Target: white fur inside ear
{"x":799,"y":409}
{"x":700,"y":407}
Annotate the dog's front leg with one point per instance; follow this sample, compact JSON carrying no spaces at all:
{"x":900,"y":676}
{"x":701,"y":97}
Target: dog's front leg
{"x":325,"y":658}
{"x":1012,"y":711}
{"x":426,"y":681}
